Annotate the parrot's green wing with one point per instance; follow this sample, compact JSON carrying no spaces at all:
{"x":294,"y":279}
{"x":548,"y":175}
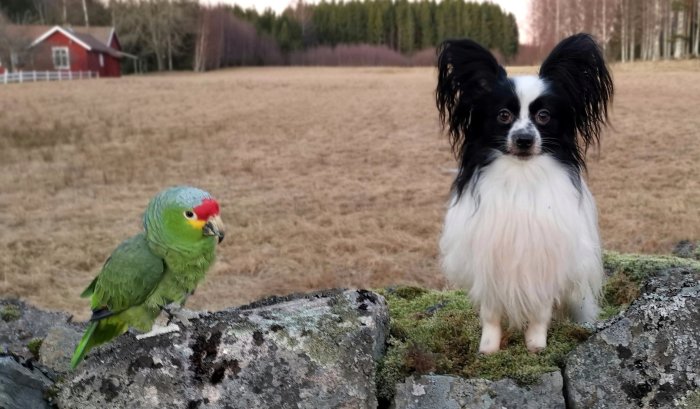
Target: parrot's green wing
{"x":91,"y":288}
{"x":127,"y":278}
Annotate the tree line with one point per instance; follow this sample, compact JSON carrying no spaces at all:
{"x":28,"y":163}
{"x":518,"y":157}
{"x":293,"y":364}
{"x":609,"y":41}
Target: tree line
{"x":183,"y":34}
{"x":628,"y":30}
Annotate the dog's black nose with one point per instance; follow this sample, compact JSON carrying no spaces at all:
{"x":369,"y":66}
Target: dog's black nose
{"x":524,"y":140}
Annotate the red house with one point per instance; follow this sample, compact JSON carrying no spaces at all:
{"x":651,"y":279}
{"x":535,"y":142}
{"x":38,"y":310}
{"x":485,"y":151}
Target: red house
{"x":46,"y":48}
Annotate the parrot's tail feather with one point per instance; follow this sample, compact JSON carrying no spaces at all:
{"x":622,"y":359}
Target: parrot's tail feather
{"x":97,"y":333}
{"x":100,"y":314}
{"x":82,"y":347}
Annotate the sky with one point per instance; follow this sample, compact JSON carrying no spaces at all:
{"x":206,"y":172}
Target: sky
{"x":519,"y":8}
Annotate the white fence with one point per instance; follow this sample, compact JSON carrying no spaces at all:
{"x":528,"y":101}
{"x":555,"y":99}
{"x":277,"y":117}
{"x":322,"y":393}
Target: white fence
{"x":32,"y":76}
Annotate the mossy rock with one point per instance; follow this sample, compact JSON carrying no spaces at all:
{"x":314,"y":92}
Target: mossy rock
{"x":438,"y":331}
{"x":10,"y":313}
{"x":626,"y":272}
{"x":640,"y":266}
{"x":687,"y":249}
{"x":34,"y":345}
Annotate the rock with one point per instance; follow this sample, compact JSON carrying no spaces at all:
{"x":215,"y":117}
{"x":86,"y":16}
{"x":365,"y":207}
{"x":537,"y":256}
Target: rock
{"x":687,"y":249}
{"x":20,"y":323}
{"x":448,"y":392}
{"x":57,"y":348}
{"x":646,"y":358}
{"x":312,"y":351}
{"x":21,"y":387}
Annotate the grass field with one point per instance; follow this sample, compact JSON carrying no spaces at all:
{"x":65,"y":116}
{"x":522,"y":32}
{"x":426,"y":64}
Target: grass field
{"x":327,"y":176}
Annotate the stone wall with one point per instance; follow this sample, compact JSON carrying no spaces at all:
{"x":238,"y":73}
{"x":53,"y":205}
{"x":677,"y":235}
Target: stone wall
{"x":322,"y":350}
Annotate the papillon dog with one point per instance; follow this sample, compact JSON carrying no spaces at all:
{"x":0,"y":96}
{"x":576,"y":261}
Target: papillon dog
{"x":521,"y":230}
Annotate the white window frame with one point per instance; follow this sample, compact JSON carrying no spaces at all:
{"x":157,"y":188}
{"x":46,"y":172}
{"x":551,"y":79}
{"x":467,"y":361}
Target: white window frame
{"x":102,"y":60}
{"x":61,"y":65}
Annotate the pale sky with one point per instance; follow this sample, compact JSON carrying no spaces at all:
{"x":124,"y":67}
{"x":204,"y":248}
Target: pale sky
{"x":519,"y":8}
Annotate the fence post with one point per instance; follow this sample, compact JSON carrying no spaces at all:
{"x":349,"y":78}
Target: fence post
{"x":34,"y":76}
{"x":20,"y":77}
{"x":6,"y":77}
{"x":48,"y":77}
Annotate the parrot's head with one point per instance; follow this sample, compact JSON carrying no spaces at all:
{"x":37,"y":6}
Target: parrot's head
{"x":183,"y":217}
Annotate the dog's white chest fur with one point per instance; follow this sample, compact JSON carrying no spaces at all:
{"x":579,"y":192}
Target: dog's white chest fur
{"x":525,"y":240}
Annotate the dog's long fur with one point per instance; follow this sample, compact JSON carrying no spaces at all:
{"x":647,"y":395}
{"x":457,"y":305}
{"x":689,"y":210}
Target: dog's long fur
{"x":521,"y":231}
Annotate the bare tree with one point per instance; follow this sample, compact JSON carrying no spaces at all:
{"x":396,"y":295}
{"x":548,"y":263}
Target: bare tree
{"x":14,"y":46}
{"x":85,"y":13}
{"x":696,"y":39}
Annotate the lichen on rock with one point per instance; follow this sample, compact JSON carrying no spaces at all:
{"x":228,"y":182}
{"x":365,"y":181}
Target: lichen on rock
{"x":647,"y":357}
{"x":448,"y":392}
{"x":311,"y":351}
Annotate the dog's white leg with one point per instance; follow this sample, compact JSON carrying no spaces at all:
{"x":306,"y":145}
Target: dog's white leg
{"x":583,"y":308}
{"x":536,"y":333}
{"x":490,"y":331}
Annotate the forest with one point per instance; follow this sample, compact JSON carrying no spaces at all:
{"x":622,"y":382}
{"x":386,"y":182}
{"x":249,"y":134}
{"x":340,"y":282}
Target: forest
{"x":182,"y":34}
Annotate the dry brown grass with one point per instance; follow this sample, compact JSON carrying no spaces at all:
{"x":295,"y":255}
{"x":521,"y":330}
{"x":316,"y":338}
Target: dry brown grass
{"x":328,"y":176}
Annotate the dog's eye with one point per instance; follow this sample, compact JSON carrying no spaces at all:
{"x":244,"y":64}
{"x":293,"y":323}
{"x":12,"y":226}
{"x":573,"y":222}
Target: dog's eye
{"x":505,"y":116}
{"x":542,"y":117}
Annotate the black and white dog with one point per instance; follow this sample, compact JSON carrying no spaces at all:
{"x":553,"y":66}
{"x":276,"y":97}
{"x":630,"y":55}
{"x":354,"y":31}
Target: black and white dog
{"x":521,"y":230}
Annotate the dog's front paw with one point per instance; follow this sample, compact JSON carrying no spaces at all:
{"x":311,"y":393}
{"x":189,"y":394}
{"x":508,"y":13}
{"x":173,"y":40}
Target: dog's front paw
{"x":536,"y":338}
{"x":490,"y":339}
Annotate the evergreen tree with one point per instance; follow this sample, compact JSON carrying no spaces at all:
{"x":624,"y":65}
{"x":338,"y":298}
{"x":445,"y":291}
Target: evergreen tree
{"x":426,"y":26}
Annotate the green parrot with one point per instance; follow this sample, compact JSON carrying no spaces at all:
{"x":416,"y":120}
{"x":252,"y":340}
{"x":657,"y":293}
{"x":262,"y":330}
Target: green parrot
{"x":160,"y":266}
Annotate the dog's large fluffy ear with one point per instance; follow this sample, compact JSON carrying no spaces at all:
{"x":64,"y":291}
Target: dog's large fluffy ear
{"x":466,"y":71}
{"x":577,"y":66}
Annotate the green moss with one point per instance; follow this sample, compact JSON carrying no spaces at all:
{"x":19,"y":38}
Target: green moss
{"x":34,"y":345}
{"x":638,"y":266}
{"x":392,"y":369}
{"x":408,"y":293}
{"x":439,"y":331}
{"x":10,"y":313}
{"x":52,"y":391}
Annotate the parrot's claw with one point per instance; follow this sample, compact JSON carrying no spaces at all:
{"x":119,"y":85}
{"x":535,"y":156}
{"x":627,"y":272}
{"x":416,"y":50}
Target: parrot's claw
{"x":158,"y":330}
{"x":178,"y":314}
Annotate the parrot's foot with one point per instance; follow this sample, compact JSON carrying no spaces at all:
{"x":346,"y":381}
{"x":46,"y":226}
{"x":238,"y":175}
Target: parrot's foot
{"x":178,"y":314}
{"x":158,"y":330}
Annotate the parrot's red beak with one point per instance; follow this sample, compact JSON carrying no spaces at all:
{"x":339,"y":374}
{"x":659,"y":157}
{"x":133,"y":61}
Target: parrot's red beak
{"x":209,"y":211}
{"x":214,"y":227}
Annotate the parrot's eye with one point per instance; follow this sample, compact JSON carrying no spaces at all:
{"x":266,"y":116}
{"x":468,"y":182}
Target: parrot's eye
{"x":189,"y":215}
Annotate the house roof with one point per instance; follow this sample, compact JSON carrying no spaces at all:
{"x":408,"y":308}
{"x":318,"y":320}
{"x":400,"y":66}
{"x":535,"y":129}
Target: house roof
{"x":103,"y":33}
{"x":96,"y":44}
{"x":90,"y":38}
